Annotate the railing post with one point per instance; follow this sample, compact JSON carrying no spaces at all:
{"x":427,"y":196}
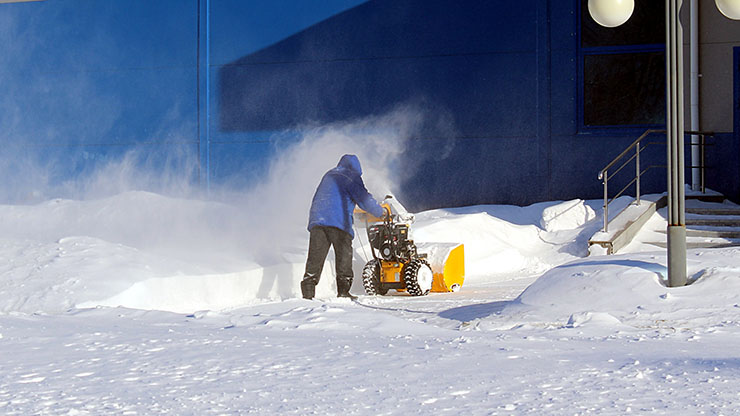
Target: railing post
{"x":606,"y":202}
{"x":637,"y":173}
{"x":702,"y":144}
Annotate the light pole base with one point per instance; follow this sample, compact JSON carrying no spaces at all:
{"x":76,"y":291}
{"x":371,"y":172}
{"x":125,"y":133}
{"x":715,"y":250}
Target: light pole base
{"x":676,"y":255}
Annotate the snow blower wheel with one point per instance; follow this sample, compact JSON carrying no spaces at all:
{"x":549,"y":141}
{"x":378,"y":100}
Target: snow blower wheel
{"x":371,"y":278}
{"x":418,"y":276}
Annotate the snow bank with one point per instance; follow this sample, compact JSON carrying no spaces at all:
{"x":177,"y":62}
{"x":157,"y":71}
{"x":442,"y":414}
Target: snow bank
{"x":602,"y":285}
{"x":566,"y":216}
{"x":186,"y":294}
{"x":493,"y":247}
{"x":625,"y":292}
{"x":498,"y":248}
{"x":147,"y":251}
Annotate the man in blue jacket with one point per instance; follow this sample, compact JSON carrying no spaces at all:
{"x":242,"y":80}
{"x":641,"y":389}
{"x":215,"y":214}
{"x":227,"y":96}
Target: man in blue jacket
{"x":330,"y":223}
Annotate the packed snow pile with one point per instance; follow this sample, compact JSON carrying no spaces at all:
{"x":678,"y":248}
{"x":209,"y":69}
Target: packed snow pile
{"x":502,"y":242}
{"x":566,"y":216}
{"x":632,"y":289}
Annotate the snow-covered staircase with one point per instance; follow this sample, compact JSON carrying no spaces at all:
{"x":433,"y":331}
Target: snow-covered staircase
{"x":624,"y":226}
{"x":710,"y":224}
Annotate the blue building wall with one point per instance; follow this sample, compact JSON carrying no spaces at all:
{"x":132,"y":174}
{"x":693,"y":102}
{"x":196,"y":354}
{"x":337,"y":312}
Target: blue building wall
{"x":205,"y":85}
{"x":82,"y":82}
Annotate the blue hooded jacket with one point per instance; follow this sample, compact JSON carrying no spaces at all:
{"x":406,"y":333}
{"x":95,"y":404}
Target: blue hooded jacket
{"x":338,"y":192}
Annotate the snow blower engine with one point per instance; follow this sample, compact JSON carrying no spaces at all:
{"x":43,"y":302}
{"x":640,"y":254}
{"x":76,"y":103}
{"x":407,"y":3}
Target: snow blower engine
{"x":397,"y":262}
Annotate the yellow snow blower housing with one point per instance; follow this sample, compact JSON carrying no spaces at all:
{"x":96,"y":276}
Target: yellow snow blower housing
{"x":398,"y":263}
{"x":448,"y":264}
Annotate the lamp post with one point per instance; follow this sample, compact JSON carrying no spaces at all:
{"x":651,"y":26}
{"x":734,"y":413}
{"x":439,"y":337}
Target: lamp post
{"x":616,"y":12}
{"x":674,"y":136}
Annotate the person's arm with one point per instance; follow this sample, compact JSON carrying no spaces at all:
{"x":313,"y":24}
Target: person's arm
{"x":363,"y":199}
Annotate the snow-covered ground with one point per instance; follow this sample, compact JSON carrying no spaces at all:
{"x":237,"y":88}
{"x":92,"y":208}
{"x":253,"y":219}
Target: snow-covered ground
{"x":146,"y":304}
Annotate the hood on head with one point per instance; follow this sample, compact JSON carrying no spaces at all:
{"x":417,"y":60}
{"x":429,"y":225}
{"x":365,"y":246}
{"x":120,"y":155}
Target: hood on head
{"x":350,"y":162}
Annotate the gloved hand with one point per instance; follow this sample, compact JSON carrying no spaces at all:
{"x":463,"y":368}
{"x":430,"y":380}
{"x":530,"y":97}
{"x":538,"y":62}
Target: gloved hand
{"x":386,"y":213}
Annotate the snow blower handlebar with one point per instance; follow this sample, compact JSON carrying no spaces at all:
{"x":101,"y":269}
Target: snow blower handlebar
{"x":370,"y":218}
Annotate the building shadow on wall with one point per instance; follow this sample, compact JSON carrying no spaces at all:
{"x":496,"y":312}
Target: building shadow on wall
{"x":364,"y":61}
{"x":456,"y":61}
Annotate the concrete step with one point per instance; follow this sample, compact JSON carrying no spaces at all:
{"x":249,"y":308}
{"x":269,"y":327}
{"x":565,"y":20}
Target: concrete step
{"x":700,"y":244}
{"x":713,"y":222}
{"x":710,"y":232}
{"x":716,"y":198}
{"x":713,"y":211}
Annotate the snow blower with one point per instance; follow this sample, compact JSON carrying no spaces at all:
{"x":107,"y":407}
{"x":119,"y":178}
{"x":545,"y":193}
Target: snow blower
{"x":398,"y":263}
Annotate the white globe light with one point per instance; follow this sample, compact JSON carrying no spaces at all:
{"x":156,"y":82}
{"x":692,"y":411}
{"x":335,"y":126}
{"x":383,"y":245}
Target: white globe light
{"x":729,"y":8}
{"x":612,"y":13}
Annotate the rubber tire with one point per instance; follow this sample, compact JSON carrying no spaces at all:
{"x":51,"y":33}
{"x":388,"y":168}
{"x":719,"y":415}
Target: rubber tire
{"x":371,"y":278}
{"x":411,"y":277}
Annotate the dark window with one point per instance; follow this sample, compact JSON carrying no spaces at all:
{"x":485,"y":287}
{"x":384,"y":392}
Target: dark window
{"x":645,"y":26}
{"x":623,"y":69}
{"x":624,"y":89}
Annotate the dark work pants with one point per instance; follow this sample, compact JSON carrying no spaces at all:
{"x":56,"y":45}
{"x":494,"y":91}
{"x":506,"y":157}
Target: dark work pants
{"x":318,"y":247}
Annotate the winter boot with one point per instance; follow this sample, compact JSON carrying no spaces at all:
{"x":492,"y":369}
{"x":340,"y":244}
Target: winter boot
{"x":308,"y":288}
{"x":343,"y":286}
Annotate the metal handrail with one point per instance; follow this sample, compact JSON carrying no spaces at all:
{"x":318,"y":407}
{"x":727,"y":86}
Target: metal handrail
{"x":604,"y":173}
{"x":621,"y":155}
